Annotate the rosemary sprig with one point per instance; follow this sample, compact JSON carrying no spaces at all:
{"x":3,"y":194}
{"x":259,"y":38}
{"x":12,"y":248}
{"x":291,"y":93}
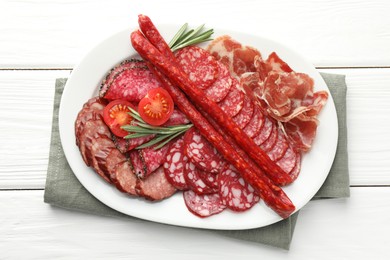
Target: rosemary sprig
{"x":163,"y":135}
{"x":185,"y":38}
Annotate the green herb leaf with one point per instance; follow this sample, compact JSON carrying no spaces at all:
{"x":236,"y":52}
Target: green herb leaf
{"x":163,"y":135}
{"x":185,"y":38}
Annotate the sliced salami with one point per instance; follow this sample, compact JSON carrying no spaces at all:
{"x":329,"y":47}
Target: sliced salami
{"x":152,"y":159}
{"x":124,"y":178}
{"x":254,"y":126}
{"x":177,"y":118}
{"x":137,"y":163}
{"x":265,"y":131}
{"x":201,"y":153}
{"x":155,"y":187}
{"x":287,"y":162}
{"x":92,"y":110}
{"x":297,"y":168}
{"x":126,"y":64}
{"x":210,"y":179}
{"x":132,"y":84}
{"x":279,"y":148}
{"x":114,"y":158}
{"x":222,"y":86}
{"x":194,"y":180}
{"x":235,"y":193}
{"x":201,"y":67}
{"x":269,"y":143}
{"x":174,"y":165}
{"x":244,"y":116}
{"x":203,"y":205}
{"x":100,"y":148}
{"x":125,"y":145}
{"x":234,"y":101}
{"x":91,"y":130}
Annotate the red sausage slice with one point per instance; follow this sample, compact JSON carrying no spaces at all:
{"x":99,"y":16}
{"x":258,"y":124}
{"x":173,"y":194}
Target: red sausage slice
{"x":235,"y":193}
{"x":199,"y":65}
{"x":201,"y":153}
{"x":124,"y":178}
{"x":203,"y":205}
{"x":234,"y":101}
{"x":152,"y":159}
{"x":279,"y":148}
{"x":221,"y":87}
{"x":244,"y":116}
{"x":194,"y":180}
{"x":155,"y":187}
{"x":265,"y":131}
{"x":255,"y":124}
{"x":174,"y":165}
{"x":132,"y":84}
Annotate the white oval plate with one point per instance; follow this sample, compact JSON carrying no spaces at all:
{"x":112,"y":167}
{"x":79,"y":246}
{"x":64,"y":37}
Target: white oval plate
{"x":83,"y":84}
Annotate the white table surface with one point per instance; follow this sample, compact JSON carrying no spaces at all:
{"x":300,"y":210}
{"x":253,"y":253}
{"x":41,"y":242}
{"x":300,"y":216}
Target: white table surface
{"x":44,"y":40}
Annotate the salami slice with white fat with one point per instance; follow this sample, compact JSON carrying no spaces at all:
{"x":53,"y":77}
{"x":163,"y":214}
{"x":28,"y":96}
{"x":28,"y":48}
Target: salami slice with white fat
{"x":222,"y":86}
{"x":210,"y":179}
{"x":194,"y":180}
{"x":199,"y":65}
{"x":279,"y":148}
{"x":174,"y":165}
{"x":271,"y":140}
{"x":177,"y":118}
{"x":297,"y":168}
{"x":155,"y":187}
{"x":112,"y":74}
{"x":235,"y":193}
{"x":132,"y":84}
{"x":201,"y":153}
{"x":265,"y":131}
{"x":254,"y":126}
{"x":203,"y":205}
{"x":244,"y":116}
{"x":234,"y":101}
{"x":287,"y":162}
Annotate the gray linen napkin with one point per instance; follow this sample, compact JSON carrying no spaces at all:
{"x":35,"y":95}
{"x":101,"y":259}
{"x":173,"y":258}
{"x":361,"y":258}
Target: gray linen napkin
{"x":64,"y":190}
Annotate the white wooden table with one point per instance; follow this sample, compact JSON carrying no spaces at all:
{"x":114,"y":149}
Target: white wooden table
{"x":44,"y":40}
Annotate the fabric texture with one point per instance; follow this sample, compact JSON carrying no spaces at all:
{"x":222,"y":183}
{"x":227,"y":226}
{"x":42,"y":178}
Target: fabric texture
{"x":64,"y":190}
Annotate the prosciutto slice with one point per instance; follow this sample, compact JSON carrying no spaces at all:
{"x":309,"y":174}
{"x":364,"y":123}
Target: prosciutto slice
{"x":282,"y":93}
{"x":238,"y":58}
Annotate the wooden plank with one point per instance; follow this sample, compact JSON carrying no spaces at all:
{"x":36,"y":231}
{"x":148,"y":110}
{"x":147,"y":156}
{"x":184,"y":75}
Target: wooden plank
{"x":26,"y":105}
{"x":354,"y":228}
{"x":56,"y":34}
{"x":25,"y":121}
{"x":368,"y":111}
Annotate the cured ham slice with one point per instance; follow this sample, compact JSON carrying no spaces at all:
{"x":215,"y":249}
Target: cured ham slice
{"x":282,"y":93}
{"x":238,"y":58}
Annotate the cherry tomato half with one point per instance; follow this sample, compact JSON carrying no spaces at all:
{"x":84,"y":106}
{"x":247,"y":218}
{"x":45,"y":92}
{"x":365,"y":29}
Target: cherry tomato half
{"x":116,"y":115}
{"x":156,"y":107}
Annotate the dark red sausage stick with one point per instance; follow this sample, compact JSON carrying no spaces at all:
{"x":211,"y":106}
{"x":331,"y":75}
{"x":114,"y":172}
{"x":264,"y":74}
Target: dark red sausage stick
{"x":165,"y":61}
{"x":272,"y":195}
